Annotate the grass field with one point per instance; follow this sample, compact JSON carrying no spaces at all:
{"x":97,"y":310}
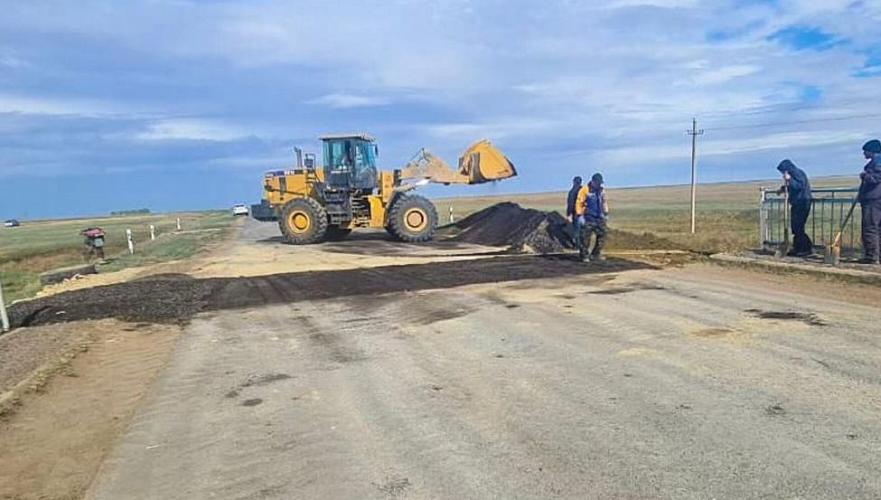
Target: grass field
{"x":35,"y":247}
{"x":727,"y":213}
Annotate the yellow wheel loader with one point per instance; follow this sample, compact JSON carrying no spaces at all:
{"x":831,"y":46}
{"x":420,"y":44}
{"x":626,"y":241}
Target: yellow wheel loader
{"x":314,"y":204}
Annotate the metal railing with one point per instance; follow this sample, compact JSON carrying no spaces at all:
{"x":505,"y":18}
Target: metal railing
{"x":829,"y":208}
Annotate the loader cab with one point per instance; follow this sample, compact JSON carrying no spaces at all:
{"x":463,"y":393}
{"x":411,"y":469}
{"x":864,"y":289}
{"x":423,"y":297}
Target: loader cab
{"x":350,"y":162}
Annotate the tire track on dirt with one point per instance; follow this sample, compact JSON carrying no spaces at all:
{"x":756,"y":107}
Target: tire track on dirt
{"x":56,"y":441}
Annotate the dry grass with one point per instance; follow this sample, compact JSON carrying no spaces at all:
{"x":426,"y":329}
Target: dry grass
{"x":39,"y":246}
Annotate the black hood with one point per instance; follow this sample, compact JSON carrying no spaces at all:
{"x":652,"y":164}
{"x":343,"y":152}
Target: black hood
{"x":786,"y":166}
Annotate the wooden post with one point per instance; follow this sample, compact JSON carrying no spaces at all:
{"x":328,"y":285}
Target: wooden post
{"x":131,"y":244}
{"x":152,"y":232}
{"x":4,"y":319}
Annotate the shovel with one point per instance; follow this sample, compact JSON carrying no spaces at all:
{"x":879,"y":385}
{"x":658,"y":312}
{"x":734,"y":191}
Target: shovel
{"x":832,"y":255}
{"x":783,"y":250}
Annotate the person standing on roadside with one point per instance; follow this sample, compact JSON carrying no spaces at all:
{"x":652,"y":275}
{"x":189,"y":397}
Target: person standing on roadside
{"x":570,"y":200}
{"x":574,"y":211}
{"x":870,"y":202}
{"x":796,"y":182}
{"x":594,"y":209}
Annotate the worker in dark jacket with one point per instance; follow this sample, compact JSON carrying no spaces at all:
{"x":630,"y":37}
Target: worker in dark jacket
{"x":592,"y":208}
{"x":796,"y":182}
{"x":570,"y":200}
{"x":870,"y":201}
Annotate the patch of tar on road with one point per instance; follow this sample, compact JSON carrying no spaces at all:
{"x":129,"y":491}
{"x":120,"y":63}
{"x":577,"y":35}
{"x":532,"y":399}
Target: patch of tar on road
{"x":436,"y":315}
{"x":393,"y":487}
{"x":775,"y":410}
{"x":255,"y":380}
{"x":177,"y":298}
{"x":252,"y":402}
{"x":334,"y":347}
{"x":809,"y":319}
{"x":265,"y":379}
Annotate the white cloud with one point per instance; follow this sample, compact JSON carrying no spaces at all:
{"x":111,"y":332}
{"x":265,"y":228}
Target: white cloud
{"x":666,"y":4}
{"x":191,"y":129}
{"x":346,"y":101}
{"x":12,"y":103}
{"x":724,"y":74}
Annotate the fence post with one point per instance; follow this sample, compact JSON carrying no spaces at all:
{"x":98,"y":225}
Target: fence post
{"x":763,"y":221}
{"x":152,"y":232}
{"x":4,"y":318}
{"x":131,"y":244}
{"x":178,"y":223}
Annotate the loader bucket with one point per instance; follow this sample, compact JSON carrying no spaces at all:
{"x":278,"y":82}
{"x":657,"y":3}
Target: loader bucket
{"x":482,"y":162}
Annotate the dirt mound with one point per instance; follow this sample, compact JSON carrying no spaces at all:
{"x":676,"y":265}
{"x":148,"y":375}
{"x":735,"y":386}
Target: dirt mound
{"x":521,"y":229}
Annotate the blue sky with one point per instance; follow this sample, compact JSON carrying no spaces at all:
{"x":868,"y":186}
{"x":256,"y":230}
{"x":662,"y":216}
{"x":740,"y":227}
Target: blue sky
{"x":183,"y":104}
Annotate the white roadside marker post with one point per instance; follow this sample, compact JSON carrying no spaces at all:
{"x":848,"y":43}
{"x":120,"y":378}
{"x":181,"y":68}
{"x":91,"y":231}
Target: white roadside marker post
{"x":152,"y":232}
{"x":131,"y":244}
{"x":451,"y":215}
{"x":4,"y":319}
{"x":178,"y":223}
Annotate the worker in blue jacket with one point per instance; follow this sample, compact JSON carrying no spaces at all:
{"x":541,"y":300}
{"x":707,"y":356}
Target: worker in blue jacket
{"x":592,"y":209}
{"x":870,"y":202}
{"x":796,"y":181}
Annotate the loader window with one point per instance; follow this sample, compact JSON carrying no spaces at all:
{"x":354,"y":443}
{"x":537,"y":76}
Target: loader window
{"x":365,"y":165}
{"x":338,"y":154}
{"x":350,"y":163}
{"x":365,"y":155}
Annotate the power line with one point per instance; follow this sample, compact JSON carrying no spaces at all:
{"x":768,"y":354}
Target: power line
{"x":795,"y":122}
{"x":781,"y":107}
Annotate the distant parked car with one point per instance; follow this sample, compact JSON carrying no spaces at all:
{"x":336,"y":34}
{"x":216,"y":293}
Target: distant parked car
{"x":239,"y":209}
{"x":12,"y":223}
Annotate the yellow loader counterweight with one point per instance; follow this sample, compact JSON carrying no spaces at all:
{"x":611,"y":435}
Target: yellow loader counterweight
{"x":314,"y":203}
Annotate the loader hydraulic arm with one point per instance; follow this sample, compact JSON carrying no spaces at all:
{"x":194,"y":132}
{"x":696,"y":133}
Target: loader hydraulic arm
{"x":480,"y":163}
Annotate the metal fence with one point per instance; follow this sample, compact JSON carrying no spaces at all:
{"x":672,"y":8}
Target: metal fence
{"x":829,"y":208}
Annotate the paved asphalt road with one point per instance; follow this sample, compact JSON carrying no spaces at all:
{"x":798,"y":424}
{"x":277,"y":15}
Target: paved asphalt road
{"x":678,"y":383}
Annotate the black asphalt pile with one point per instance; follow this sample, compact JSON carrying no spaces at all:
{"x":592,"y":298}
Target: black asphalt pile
{"x":177,"y":298}
{"x":522,"y":229}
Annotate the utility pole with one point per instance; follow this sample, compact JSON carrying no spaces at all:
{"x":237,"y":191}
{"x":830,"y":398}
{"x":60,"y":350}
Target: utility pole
{"x":694,"y":132}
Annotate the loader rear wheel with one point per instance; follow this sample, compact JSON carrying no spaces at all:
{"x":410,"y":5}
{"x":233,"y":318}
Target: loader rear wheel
{"x":303,"y":221}
{"x":336,"y":233}
{"x":412,"y":218}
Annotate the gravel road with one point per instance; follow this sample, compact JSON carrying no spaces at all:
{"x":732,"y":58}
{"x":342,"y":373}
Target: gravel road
{"x":678,"y":383}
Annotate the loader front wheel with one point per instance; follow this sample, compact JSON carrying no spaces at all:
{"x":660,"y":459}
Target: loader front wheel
{"x":412,"y":218}
{"x":303,"y":221}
